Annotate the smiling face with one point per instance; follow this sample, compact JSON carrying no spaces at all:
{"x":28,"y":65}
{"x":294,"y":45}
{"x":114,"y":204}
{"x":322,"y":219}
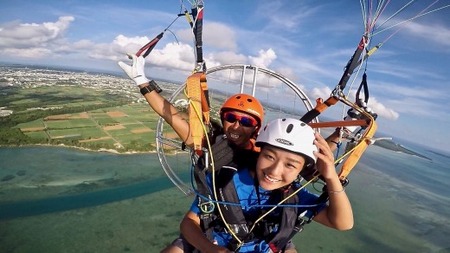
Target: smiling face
{"x":236,"y":132}
{"x":277,"y":167}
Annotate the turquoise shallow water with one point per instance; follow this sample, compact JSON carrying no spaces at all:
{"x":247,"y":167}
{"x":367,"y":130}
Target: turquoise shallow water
{"x":401,"y":202}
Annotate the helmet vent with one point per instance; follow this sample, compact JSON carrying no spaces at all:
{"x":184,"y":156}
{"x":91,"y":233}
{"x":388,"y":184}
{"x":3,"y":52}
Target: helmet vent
{"x":289,"y":128}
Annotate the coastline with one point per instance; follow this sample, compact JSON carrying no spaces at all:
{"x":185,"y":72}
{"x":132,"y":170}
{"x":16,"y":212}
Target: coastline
{"x":386,"y":144}
{"x":101,"y":150}
{"x":40,"y":171}
{"x":397,"y":147}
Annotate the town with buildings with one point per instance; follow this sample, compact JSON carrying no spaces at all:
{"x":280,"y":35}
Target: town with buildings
{"x":34,"y":77}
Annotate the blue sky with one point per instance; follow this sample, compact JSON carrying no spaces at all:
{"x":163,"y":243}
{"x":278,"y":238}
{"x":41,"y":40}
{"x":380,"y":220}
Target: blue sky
{"x":309,"y":42}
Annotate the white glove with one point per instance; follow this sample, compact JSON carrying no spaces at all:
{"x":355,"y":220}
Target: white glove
{"x":136,"y":70}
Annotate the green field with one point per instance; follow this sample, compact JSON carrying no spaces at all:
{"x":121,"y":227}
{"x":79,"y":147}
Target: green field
{"x":77,"y":116}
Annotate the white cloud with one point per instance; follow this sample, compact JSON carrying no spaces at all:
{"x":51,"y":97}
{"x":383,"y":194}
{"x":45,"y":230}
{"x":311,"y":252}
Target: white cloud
{"x":323,"y":93}
{"x":382,"y":110}
{"x":216,"y":35}
{"x":17,"y":35}
{"x":104,"y":51}
{"x":226,"y":57}
{"x":34,"y":53}
{"x":289,"y":73}
{"x":264,"y":58}
{"x":173,"y":55}
{"x":220,"y":36}
{"x":135,"y":42}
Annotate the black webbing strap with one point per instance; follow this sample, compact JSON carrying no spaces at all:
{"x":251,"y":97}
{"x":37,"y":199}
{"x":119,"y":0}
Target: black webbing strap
{"x":366,"y":91}
{"x":288,"y":225}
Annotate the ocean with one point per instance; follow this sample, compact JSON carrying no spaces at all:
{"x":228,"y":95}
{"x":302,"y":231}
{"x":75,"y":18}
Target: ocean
{"x":58,"y":199}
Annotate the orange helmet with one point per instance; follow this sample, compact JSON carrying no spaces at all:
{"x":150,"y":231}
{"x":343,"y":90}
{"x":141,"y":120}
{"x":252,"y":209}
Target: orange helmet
{"x":244,"y":103}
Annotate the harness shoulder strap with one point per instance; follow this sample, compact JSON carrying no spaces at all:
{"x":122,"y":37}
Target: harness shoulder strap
{"x":289,"y":223}
{"x":233,"y":214}
{"x":222,"y":154}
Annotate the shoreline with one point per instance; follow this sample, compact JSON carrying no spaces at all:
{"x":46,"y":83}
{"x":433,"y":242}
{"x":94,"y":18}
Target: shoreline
{"x":70,"y":170}
{"x":396,"y":147}
{"x":389,"y":145}
{"x":101,"y":150}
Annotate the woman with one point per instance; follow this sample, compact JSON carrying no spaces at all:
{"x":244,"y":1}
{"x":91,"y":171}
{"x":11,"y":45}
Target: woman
{"x":288,"y":146}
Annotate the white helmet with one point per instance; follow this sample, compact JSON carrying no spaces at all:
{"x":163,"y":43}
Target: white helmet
{"x":291,"y":134}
